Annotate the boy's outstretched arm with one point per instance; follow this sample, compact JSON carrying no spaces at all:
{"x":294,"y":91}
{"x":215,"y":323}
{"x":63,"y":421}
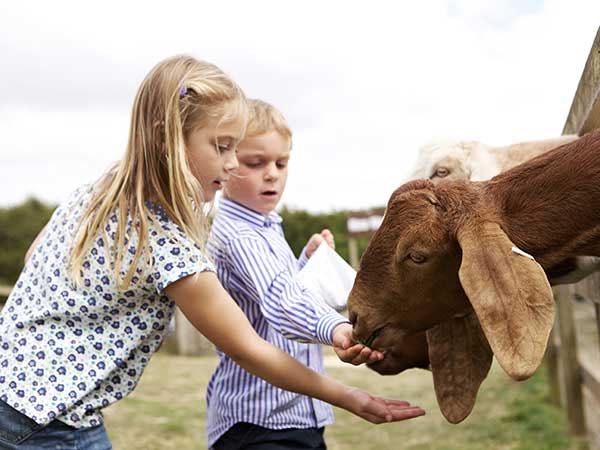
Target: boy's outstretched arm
{"x":289,"y":307}
{"x":209,"y":308}
{"x":284,"y":301}
{"x":345,"y":348}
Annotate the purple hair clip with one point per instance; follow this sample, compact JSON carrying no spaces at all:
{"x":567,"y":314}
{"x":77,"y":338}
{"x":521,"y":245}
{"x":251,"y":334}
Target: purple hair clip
{"x":182,"y":91}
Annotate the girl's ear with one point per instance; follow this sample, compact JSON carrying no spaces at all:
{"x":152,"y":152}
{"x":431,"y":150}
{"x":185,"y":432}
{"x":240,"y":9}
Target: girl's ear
{"x":510,"y":294}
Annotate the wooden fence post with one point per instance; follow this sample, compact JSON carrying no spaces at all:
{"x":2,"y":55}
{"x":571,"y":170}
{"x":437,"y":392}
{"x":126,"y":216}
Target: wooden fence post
{"x":361,"y":224}
{"x":353,"y":252}
{"x":594,"y":297}
{"x":569,"y":361}
{"x":186,"y":340}
{"x":5,"y":291}
{"x":584,"y":116}
{"x":552,"y":366}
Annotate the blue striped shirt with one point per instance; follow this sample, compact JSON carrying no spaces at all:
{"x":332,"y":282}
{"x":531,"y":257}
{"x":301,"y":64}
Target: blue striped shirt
{"x":257,"y":267}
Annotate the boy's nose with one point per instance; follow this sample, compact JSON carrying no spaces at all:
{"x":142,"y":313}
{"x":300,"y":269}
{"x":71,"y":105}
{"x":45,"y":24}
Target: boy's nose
{"x":271,"y":172}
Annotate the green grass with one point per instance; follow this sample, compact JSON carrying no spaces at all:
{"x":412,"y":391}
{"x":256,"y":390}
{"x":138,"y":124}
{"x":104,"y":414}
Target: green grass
{"x":167,"y":411}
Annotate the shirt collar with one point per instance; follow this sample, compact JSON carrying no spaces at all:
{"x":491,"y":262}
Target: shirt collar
{"x":232,"y":209}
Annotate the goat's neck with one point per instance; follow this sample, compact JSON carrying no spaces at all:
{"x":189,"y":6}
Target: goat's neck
{"x":550,"y":205}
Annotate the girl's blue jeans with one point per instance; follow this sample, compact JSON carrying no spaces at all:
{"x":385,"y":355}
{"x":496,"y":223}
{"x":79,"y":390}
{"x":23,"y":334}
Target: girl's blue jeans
{"x":19,"y":432}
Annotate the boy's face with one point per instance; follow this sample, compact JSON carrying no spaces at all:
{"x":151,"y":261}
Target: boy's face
{"x":262,"y":172}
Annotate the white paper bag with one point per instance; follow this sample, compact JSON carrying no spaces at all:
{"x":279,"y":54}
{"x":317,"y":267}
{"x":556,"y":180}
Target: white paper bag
{"x":328,"y":277}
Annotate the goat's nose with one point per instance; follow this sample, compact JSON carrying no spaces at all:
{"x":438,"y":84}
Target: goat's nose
{"x":360,"y":329}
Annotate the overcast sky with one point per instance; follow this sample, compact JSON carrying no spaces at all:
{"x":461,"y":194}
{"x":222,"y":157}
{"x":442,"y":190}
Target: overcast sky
{"x":363,"y":84}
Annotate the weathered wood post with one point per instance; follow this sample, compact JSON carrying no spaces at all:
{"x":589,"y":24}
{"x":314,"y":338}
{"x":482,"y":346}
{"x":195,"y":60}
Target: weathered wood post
{"x":5,"y":291}
{"x":569,"y":361}
{"x":361,"y":224}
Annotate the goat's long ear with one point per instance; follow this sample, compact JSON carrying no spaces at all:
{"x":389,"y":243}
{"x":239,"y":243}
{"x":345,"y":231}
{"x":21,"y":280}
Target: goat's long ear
{"x":511,"y":296}
{"x":460,"y":358}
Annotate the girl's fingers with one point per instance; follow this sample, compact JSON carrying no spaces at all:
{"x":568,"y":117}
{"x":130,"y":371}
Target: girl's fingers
{"x":407,"y":413}
{"x":393,"y":403}
{"x":393,"y":411}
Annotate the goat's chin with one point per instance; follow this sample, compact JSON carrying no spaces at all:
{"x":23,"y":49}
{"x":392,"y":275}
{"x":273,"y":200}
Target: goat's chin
{"x":393,"y":365}
{"x":401,"y":352}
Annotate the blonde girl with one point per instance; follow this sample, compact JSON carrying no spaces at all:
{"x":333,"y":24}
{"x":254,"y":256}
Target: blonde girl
{"x":102,"y":279}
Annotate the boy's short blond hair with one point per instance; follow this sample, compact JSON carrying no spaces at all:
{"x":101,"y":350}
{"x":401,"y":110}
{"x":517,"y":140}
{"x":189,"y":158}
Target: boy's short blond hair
{"x":264,"y":117}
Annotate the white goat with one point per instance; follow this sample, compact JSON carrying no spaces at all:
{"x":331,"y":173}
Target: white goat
{"x":476,"y":161}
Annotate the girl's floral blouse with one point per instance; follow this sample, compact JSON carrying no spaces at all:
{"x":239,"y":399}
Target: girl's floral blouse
{"x":66,"y":350}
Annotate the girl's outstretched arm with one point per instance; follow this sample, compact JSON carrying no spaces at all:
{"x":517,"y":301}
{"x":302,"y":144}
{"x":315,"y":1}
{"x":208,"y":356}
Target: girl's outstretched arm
{"x":211,"y":310}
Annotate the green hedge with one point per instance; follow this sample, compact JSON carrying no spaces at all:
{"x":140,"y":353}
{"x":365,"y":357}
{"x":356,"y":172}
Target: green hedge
{"x":19,"y":225}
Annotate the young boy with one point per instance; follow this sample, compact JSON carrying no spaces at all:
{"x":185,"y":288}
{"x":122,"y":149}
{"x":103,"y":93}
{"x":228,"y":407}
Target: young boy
{"x":256,"y":265}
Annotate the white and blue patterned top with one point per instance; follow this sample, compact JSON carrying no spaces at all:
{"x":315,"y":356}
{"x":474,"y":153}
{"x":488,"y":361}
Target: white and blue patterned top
{"x":68,"y":351}
{"x":257,"y":267}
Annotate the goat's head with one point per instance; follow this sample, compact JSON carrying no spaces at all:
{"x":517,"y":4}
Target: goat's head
{"x":440,"y":265}
{"x":473,"y":160}
{"x":454,"y":160}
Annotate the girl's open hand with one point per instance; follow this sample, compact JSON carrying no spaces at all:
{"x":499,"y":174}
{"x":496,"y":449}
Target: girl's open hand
{"x":316,"y":239}
{"x":350,"y":352}
{"x":380,"y":410}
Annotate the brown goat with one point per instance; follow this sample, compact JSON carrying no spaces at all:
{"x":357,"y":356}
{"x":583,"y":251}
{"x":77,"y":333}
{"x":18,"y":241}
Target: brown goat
{"x":448,"y":278}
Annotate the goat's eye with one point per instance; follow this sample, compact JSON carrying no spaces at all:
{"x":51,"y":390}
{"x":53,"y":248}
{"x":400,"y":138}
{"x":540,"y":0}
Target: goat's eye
{"x":417,"y":258}
{"x":441,"y":172}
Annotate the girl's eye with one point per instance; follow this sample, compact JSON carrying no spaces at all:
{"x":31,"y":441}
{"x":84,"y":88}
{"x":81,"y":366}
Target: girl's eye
{"x":281,"y":165}
{"x":252,"y":165}
{"x":417,"y":258}
{"x":223,"y":144}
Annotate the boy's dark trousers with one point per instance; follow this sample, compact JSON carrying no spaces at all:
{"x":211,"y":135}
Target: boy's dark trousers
{"x":247,"y":436}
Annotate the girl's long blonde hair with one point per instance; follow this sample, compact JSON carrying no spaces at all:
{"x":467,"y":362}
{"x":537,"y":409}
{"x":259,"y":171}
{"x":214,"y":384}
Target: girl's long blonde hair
{"x":179,"y":94}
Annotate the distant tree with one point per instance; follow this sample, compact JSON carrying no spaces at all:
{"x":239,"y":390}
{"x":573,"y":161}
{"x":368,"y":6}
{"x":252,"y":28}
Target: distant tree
{"x":19,"y":225}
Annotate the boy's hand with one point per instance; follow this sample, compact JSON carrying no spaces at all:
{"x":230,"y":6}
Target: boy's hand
{"x":350,"y":352}
{"x":316,"y":239}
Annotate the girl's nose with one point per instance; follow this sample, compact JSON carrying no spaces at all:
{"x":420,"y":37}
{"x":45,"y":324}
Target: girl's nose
{"x":231,"y":163}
